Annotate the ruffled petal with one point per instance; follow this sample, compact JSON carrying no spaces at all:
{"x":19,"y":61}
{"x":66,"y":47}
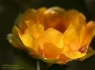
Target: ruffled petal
{"x":50,"y":42}
{"x":35,"y":30}
{"x":71,"y":40}
{"x":88,"y":35}
{"x":27,"y":16}
{"x":52,"y":17}
{"x":74,"y":54}
{"x":14,"y":38}
{"x":16,"y":31}
{"x":40,"y":15}
{"x":47,"y":60}
{"x":16,"y":42}
{"x":64,"y":59}
{"x":89,"y":53}
{"x":29,"y":42}
{"x":51,"y":48}
{"x":73,"y":34}
{"x":73,"y":16}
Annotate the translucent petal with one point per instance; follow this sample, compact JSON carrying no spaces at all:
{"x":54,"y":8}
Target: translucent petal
{"x":72,"y":37}
{"x":34,"y":30}
{"x":73,"y":16}
{"x":40,"y":15}
{"x":71,"y":40}
{"x":16,"y":42}
{"x":51,"y":43}
{"x":51,"y":60}
{"x":89,"y":53}
{"x":74,"y":54}
{"x":88,"y":34}
{"x":29,"y":42}
{"x":52,"y":17}
{"x":14,"y":38}
{"x":27,"y":16}
{"x":47,"y":60}
{"x":15,"y":31}
{"x":56,"y":8}
{"x":64,"y":59}
{"x":51,"y":51}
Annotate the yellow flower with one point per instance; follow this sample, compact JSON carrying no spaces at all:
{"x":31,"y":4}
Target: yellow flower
{"x":53,"y":35}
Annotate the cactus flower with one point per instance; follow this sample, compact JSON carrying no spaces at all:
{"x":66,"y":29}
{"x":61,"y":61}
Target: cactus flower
{"x":53,"y":35}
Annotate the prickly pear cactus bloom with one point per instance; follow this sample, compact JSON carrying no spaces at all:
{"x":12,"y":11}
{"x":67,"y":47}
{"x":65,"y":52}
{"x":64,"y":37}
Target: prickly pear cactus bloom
{"x":53,"y":35}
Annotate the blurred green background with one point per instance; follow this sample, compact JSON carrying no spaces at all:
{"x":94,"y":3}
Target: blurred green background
{"x":10,"y":9}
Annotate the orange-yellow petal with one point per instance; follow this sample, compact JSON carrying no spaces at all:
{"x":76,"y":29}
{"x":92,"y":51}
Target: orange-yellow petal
{"x":52,"y":17}
{"x":64,"y":59}
{"x":89,"y":53}
{"x":88,"y":33}
{"x":29,"y":42}
{"x":16,"y":31}
{"x":35,"y":30}
{"x":40,"y":15}
{"x":72,"y":36}
{"x":87,"y":36}
{"x":73,"y":16}
{"x":50,"y":60}
{"x":74,"y":54}
{"x":71,"y":40}
{"x":27,"y":16}
{"x":16,"y":42}
{"x":51,"y":51}
{"x":14,"y":38}
{"x":51,"y":41}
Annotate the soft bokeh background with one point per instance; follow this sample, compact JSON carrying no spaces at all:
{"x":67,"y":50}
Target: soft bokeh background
{"x":9,"y":10}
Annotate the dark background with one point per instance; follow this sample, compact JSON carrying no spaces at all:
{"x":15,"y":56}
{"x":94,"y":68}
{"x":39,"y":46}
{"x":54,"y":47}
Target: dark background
{"x":9,"y":10}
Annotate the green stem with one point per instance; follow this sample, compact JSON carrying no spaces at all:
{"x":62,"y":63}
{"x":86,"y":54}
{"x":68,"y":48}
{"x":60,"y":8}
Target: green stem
{"x":38,"y":65}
